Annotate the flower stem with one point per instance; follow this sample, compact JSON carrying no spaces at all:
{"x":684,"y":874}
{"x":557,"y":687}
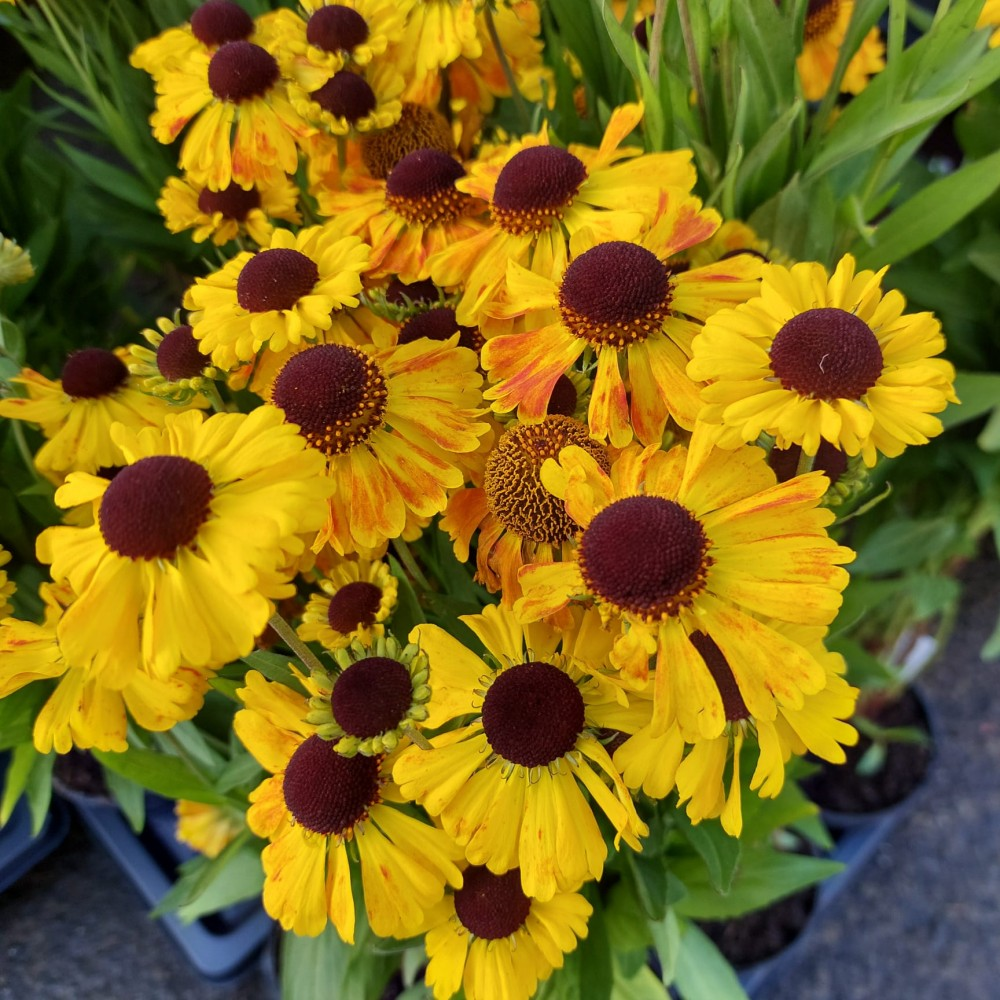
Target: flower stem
{"x":508,"y":72}
{"x":294,"y":643}
{"x":693,"y":65}
{"x":656,"y":41}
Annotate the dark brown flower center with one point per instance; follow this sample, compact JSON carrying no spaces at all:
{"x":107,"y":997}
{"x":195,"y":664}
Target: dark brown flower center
{"x":337,"y":395}
{"x":371,"y":696}
{"x":355,"y":605}
{"x":346,"y":95}
{"x":328,"y":793}
{"x":178,"y":356}
{"x":440,"y":324}
{"x":826,"y":354}
{"x":418,"y":128}
{"x":722,"y":673}
{"x":232,"y":202}
{"x":615,"y":294}
{"x":220,"y":21}
{"x":275,"y":279}
{"x":646,"y":555}
{"x":155,"y":507}
{"x":564,"y":397}
{"x":534,"y":187}
{"x":241,"y":70}
{"x":533,"y":714}
{"x":336,"y":28}
{"x":514,"y":491}
{"x":828,"y":459}
{"x":92,"y":373}
{"x":424,"y":292}
{"x":491,"y":906}
{"x":421,"y":188}
{"x":821,"y":16}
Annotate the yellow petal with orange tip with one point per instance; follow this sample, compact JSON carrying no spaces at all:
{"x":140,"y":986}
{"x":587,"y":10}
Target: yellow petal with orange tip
{"x":547,"y":589}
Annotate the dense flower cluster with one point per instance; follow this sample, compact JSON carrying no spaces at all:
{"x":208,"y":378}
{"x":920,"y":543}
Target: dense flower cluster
{"x":554,"y":361}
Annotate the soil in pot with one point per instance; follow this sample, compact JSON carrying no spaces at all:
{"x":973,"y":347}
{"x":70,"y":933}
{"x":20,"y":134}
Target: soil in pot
{"x":840,"y":788}
{"x":760,"y":935}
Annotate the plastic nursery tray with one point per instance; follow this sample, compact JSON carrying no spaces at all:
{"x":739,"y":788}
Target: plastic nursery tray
{"x":19,"y":851}
{"x":220,"y":946}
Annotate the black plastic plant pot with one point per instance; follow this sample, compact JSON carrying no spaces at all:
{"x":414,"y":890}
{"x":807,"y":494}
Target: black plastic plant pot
{"x":837,"y":785}
{"x":19,"y":850}
{"x":220,"y":946}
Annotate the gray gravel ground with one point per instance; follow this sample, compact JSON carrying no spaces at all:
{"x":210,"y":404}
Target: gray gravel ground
{"x":922,"y":922}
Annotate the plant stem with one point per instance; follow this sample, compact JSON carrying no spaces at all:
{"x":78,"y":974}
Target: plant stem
{"x":409,"y":563}
{"x":693,"y":65}
{"x":508,"y":72}
{"x":294,"y":643}
{"x":214,"y":398}
{"x":656,"y":42}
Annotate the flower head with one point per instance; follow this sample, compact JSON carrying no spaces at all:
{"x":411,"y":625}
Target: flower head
{"x":314,"y":804}
{"x":15,"y":263}
{"x":175,"y":368}
{"x":825,"y":30}
{"x":824,"y":358}
{"x":167,"y":573}
{"x":696,"y":540}
{"x":509,"y":783}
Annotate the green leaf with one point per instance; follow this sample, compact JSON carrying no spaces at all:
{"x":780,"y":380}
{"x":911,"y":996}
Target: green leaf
{"x":719,"y":851}
{"x":933,"y":211}
{"x":627,"y":928}
{"x":408,"y":613}
{"x":168,"y":776}
{"x":765,"y":876}
{"x":904,"y":544}
{"x":22,"y":760}
{"x":667,"y":942}
{"x":131,"y":799}
{"x":595,"y":955}
{"x":702,"y":972}
{"x":325,"y":966}
{"x":641,"y":985}
{"x":109,"y":179}
{"x":655,"y":887}
{"x":18,"y":712}
{"x":236,"y":874}
{"x":979,"y":393}
{"x":273,"y":667}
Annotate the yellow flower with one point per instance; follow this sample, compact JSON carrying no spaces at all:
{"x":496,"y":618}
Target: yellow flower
{"x":313,"y":805}
{"x":824,"y":358}
{"x":283,"y":294}
{"x":408,"y":217}
{"x":15,"y":263}
{"x":540,"y":195}
{"x":212,"y":24}
{"x":189,"y":542}
{"x":436,"y":33}
{"x":492,"y":940}
{"x":175,"y":369}
{"x":358,"y":596}
{"x":7,"y":586}
{"x":391,"y":422}
{"x":225,"y":215}
{"x":90,"y":708}
{"x":629,"y":305}
{"x":654,"y":761}
{"x":825,"y":29}
{"x":509,"y":784}
{"x":236,"y":87}
{"x":205,"y":828}
{"x":76,"y":411}
{"x":518,"y":520}
{"x":696,"y":540}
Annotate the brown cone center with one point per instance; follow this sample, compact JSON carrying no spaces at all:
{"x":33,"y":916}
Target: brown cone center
{"x":92,"y":373}
{"x":220,"y":21}
{"x":346,"y":95}
{"x":275,"y":279}
{"x":328,"y":793}
{"x":645,"y":554}
{"x":491,"y":906}
{"x":178,"y":356}
{"x":155,"y":506}
{"x":336,"y":394}
{"x":534,"y":187}
{"x":371,"y":696}
{"x":354,"y":606}
{"x":336,"y":28}
{"x":826,"y":354}
{"x":232,"y":202}
{"x":533,"y":714}
{"x":240,"y":71}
